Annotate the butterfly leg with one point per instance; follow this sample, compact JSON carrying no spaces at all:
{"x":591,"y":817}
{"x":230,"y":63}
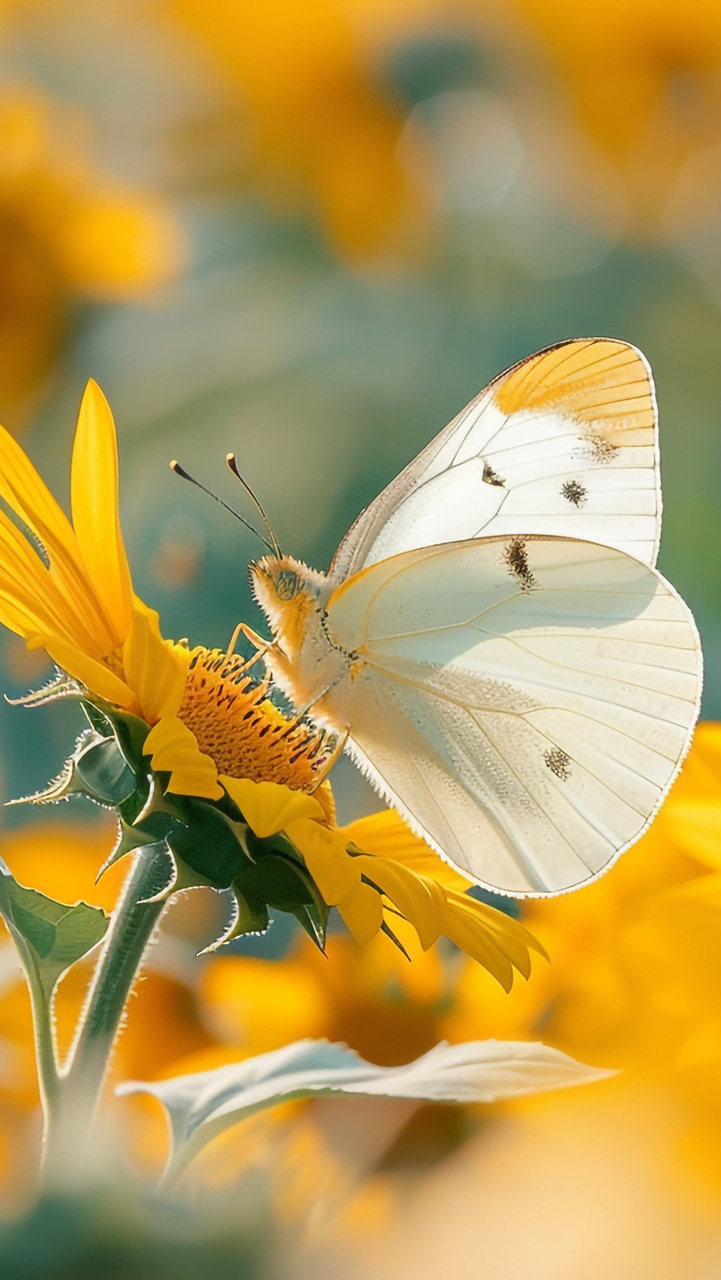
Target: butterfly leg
{"x":262,"y":646}
{"x":335,"y":755}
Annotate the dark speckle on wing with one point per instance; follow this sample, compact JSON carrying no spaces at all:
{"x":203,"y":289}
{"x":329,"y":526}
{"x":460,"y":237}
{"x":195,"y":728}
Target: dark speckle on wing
{"x":558,"y":761}
{"x":602,"y":450}
{"x":574,"y":492}
{"x":516,"y":557}
{"x":490,"y":476}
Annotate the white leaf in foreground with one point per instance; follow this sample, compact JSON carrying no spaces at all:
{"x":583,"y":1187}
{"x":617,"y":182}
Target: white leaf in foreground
{"x":201,"y":1105}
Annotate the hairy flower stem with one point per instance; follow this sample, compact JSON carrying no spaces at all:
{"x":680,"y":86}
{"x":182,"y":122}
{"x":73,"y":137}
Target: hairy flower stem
{"x":69,"y":1115}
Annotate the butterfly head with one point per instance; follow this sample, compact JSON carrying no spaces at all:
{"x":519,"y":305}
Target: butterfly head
{"x":288,"y":592}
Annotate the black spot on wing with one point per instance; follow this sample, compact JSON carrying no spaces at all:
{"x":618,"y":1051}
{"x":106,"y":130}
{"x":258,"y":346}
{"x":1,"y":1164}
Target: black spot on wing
{"x":516,"y":557}
{"x":490,"y":476}
{"x":558,"y":761}
{"x":573,"y":491}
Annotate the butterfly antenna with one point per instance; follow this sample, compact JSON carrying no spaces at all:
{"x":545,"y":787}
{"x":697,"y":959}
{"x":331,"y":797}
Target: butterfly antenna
{"x":233,"y":465}
{"x":180,"y":471}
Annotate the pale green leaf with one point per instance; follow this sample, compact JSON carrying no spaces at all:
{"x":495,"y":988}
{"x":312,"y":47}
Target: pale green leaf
{"x":49,"y":935}
{"x":201,"y":1105}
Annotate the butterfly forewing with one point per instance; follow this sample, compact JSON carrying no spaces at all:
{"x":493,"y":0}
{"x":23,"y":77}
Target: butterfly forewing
{"x":562,"y":444}
{"x":525,"y":702}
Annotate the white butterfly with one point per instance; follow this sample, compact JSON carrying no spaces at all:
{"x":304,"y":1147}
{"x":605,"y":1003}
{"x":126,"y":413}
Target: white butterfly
{"x":493,"y":641}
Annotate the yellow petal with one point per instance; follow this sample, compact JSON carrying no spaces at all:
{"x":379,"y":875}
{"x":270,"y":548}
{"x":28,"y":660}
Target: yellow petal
{"x":515,"y":939}
{"x":94,"y":675}
{"x":386,"y":835}
{"x":469,"y":934}
{"x":174,"y":750}
{"x":420,"y":900}
{"x":324,"y":852}
{"x":29,"y":497}
{"x":362,"y":912}
{"x":94,"y":498}
{"x":154,"y":669}
{"x":26,"y":586}
{"x":490,"y":937}
{"x":269,"y":807}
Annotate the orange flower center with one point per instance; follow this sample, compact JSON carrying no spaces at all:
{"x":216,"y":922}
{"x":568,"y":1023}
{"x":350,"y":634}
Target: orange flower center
{"x":242,"y":731}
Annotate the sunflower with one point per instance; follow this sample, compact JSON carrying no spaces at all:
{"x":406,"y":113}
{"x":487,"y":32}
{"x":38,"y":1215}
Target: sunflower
{"x":190,"y":749}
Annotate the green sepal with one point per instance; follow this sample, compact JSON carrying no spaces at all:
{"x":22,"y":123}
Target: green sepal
{"x":129,"y":734}
{"x":129,"y":839}
{"x":49,"y":935}
{"x":313,"y":917}
{"x":202,"y":838}
{"x":97,"y":769}
{"x":62,"y":686}
{"x":280,"y":881}
{"x":246,"y":918}
{"x":129,"y":730}
{"x":101,"y":772}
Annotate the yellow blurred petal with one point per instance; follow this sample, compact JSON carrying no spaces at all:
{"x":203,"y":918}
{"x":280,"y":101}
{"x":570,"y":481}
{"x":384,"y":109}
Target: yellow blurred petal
{"x":269,"y":807}
{"x":94,"y":499}
{"x":705,"y":889}
{"x":420,"y":901}
{"x":174,"y":750}
{"x":362,"y":912}
{"x":238,"y":991}
{"x":701,"y":771}
{"x":154,"y":669}
{"x":324,"y":851}
{"x":696,"y":826}
{"x":386,"y":835}
{"x":117,"y":245}
{"x":97,"y":677}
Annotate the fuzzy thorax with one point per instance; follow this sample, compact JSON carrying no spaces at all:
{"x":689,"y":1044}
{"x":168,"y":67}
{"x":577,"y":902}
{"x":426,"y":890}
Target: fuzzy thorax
{"x":305,"y":658}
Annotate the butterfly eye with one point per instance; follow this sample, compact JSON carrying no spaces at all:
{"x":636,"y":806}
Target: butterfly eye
{"x":286,"y":584}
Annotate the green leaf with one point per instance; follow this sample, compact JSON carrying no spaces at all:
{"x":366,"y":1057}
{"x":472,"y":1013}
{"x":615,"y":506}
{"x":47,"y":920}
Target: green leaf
{"x":204,"y":1104}
{"x":49,"y":935}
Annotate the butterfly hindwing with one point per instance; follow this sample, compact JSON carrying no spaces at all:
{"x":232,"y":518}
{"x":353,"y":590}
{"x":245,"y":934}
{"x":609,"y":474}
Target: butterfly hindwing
{"x":562,"y":444}
{"x":524,"y":702}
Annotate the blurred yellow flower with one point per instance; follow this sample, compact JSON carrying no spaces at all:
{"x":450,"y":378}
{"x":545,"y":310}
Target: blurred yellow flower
{"x":635,"y":975}
{"x":644,"y":78}
{"x":67,"y":233}
{"x":321,"y":133}
{"x":634,"y":980}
